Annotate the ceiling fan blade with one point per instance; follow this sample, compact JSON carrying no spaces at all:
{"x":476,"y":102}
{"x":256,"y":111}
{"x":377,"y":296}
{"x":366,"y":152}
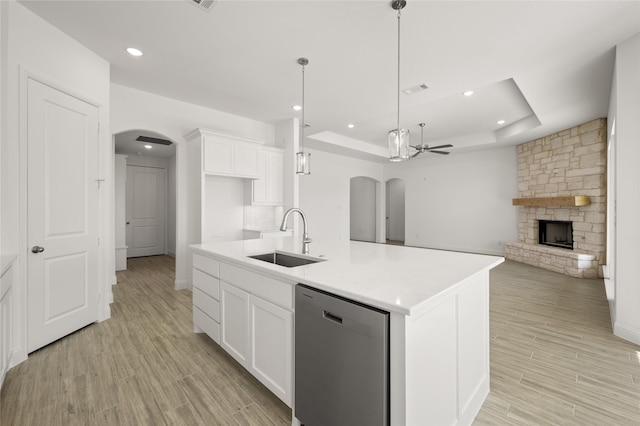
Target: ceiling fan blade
{"x":416,"y":154}
{"x":440,"y":146}
{"x":440,"y":152}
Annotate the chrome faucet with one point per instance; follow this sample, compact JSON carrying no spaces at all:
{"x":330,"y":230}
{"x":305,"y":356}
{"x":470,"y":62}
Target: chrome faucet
{"x":305,"y":235}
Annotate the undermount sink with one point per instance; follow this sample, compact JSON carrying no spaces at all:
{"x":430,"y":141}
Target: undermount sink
{"x":285,"y":260}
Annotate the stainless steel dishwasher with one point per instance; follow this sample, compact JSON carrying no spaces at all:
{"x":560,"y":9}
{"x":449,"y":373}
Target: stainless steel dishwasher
{"x":341,"y":361}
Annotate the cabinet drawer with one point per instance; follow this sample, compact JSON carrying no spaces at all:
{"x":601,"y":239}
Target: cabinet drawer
{"x":206,"y":264}
{"x":206,"y":283}
{"x":207,"y":304}
{"x":206,"y":324}
{"x":270,"y":289}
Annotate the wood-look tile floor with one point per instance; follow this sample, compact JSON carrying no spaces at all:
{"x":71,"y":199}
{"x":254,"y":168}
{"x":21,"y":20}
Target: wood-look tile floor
{"x":144,"y":366}
{"x":554,"y":360}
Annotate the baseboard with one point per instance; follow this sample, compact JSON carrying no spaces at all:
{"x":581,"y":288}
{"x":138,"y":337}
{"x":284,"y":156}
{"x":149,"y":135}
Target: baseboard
{"x":627,"y":333}
{"x":17,"y":356}
{"x":171,"y":253}
{"x":181,"y":285}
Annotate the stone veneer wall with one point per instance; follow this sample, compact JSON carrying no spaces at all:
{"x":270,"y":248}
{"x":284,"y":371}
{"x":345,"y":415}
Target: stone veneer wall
{"x":568,"y":163}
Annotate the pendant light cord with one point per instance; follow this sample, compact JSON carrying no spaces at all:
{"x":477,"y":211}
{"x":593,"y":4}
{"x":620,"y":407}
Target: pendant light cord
{"x":398,"y":118}
{"x":301,"y":144}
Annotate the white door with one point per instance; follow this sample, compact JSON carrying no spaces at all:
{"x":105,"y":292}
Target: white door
{"x":145,"y":207}
{"x":63,"y":216}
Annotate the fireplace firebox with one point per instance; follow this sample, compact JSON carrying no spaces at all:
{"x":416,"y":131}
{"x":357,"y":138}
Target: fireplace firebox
{"x":556,"y":233}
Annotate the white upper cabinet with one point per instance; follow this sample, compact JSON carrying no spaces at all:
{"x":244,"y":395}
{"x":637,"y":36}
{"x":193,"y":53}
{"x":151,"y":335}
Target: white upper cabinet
{"x":268,"y":189}
{"x":227,"y":155}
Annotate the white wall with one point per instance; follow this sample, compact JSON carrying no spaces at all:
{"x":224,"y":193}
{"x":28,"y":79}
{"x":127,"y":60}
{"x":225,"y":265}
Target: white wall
{"x":363,"y":209}
{"x":135,"y":109}
{"x":224,"y":203}
{"x":460,"y":202}
{"x":625,"y":111}
{"x":33,"y":47}
{"x":171,"y":204}
{"x":395,"y":209}
{"x":120,"y":216}
{"x":324,"y":194}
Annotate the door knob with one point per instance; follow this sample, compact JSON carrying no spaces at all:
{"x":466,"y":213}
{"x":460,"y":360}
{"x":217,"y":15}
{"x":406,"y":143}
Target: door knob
{"x":37,"y":249}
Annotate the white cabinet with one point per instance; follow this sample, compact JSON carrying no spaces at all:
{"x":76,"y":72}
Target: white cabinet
{"x":268,"y":189}
{"x":250,"y":316}
{"x":206,"y":296}
{"x":235,"y":322}
{"x":6,"y":344}
{"x":256,"y":321}
{"x":229,"y":155}
{"x":271,"y":343}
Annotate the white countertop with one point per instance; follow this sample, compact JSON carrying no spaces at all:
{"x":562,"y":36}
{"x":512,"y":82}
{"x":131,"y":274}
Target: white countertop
{"x":394,"y":278}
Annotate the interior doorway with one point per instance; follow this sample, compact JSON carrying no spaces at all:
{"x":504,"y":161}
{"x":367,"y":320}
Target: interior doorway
{"x":145,"y":195}
{"x":395,"y":217}
{"x":362,"y":212}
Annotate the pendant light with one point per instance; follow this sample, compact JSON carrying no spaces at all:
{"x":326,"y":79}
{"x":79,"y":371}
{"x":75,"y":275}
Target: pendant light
{"x":398,"y":137}
{"x":303,"y":160}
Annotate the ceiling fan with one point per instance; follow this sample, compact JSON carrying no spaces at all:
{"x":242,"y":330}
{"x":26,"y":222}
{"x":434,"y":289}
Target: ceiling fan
{"x":426,"y":148}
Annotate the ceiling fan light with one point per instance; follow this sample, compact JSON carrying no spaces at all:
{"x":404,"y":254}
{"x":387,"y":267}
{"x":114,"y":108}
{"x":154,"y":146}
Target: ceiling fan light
{"x":398,"y":145}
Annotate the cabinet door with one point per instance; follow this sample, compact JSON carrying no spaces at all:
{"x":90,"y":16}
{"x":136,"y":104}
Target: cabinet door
{"x":218,"y":156}
{"x":234,"y":322}
{"x":271,"y":346}
{"x":246,"y":159}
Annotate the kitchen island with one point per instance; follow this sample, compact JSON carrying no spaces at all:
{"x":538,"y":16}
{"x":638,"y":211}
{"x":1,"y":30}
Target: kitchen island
{"x":439,"y":316}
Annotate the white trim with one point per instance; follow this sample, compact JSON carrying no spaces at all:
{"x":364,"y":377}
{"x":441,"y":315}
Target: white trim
{"x":627,"y":332}
{"x":181,"y":285}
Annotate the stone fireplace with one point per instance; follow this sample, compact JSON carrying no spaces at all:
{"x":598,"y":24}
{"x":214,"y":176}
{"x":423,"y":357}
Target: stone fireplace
{"x":562,"y":178}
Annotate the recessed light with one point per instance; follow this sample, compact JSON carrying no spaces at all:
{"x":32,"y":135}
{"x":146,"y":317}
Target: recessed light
{"x":148,"y":146}
{"x":351,"y":125}
{"x":296,"y":107}
{"x":468,"y":93}
{"x":501,"y":122}
{"x":134,"y":52}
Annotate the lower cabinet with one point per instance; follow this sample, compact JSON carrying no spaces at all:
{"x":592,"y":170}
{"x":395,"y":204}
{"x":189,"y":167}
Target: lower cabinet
{"x":235,"y":322}
{"x":259,"y":335}
{"x":250,"y":316}
{"x":271,"y":343}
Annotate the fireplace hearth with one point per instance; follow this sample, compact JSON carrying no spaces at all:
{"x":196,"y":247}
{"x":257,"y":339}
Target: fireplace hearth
{"x":555,"y":233}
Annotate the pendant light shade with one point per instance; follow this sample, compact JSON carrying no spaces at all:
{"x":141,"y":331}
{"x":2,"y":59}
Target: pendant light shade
{"x":399,"y":145}
{"x":398,"y":137}
{"x":303,"y":159}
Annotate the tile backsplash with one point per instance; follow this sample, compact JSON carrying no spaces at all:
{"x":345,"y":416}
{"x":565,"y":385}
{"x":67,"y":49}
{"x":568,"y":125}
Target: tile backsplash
{"x":259,"y":217}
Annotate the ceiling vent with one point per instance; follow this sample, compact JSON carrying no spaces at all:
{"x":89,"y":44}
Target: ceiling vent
{"x":153,"y":140}
{"x":415,"y":89}
{"x":203,"y":4}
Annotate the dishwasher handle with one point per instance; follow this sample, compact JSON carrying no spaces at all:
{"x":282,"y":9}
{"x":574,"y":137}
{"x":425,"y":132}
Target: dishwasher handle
{"x":331,"y":317}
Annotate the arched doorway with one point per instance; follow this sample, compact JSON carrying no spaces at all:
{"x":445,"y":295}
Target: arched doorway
{"x":394,"y":207}
{"x":144,"y":195}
